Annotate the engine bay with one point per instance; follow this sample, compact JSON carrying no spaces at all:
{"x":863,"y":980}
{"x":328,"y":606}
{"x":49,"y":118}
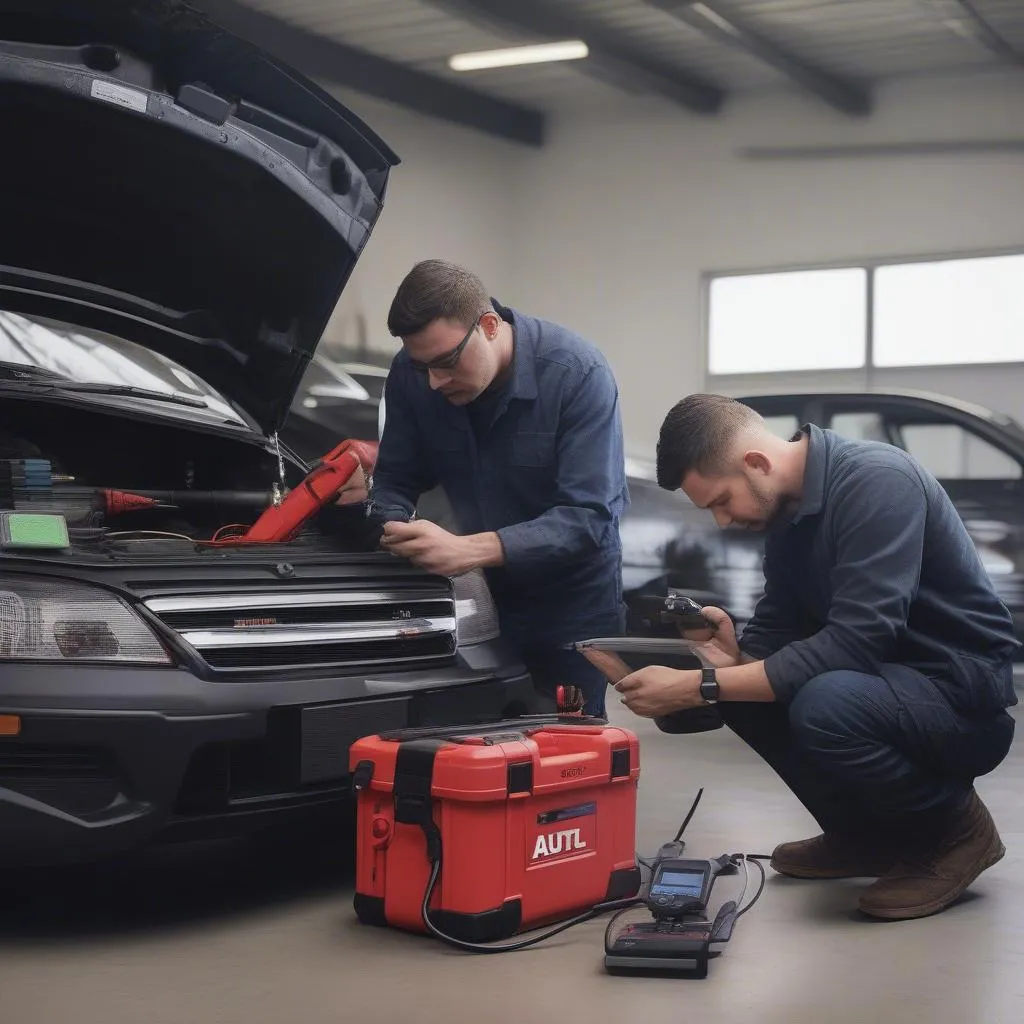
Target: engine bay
{"x":128,"y":486}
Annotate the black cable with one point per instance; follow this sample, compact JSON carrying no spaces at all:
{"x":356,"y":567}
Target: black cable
{"x":686,"y":820}
{"x":755,"y":859}
{"x":601,"y":908}
{"x":621,"y":906}
{"x":479,"y":947}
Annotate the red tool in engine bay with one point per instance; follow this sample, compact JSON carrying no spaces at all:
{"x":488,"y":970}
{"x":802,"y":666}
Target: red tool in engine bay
{"x":281,"y":522}
{"x":32,"y":486}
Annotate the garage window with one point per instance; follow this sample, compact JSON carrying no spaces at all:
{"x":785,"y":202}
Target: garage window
{"x":807,"y":320}
{"x":954,"y":311}
{"x":925,"y":313}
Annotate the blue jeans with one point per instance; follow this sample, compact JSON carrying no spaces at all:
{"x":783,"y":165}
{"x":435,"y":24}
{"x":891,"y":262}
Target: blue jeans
{"x":860,"y":750}
{"x":552,"y":667}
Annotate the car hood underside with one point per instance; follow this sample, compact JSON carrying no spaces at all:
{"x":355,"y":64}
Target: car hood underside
{"x":164,"y":181}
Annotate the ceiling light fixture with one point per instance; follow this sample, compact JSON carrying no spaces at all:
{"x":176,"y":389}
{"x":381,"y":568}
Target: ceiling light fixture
{"x":541,"y":53}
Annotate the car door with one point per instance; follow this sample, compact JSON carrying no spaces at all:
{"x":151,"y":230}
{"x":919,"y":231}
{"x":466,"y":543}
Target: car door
{"x":983,"y":475}
{"x":982,"y":472}
{"x":986,"y":483}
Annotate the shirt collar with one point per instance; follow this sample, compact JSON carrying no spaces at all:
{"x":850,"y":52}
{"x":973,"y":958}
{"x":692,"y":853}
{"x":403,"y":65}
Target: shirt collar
{"x":813,"y":494}
{"x":523,"y":382}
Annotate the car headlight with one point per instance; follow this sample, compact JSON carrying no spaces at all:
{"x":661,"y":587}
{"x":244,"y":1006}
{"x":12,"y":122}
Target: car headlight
{"x":474,"y":609}
{"x":43,"y":620}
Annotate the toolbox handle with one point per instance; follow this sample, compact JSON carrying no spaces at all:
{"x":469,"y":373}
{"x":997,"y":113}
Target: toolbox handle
{"x":522,"y":726}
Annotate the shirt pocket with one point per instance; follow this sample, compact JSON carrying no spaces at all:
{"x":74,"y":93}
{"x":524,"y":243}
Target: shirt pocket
{"x":533,"y":450}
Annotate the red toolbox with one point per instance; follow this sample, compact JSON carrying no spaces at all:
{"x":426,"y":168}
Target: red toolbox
{"x":532,"y":821}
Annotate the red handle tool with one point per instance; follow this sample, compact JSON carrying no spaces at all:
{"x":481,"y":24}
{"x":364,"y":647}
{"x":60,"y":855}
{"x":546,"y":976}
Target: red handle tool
{"x":282,"y":522}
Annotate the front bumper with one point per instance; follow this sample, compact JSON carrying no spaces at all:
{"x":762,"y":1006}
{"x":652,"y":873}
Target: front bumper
{"x":107,"y":761}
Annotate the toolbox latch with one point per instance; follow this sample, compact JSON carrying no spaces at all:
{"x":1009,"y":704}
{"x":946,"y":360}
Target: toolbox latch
{"x":620,"y":763}
{"x":414,"y":805}
{"x":362,"y":776}
{"x":520,"y":777}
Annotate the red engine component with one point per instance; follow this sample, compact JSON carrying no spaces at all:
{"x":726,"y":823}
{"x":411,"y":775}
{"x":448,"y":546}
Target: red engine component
{"x":115,"y":501}
{"x":323,"y":484}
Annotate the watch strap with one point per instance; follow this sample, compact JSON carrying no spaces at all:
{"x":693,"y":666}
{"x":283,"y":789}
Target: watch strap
{"x":709,"y":687}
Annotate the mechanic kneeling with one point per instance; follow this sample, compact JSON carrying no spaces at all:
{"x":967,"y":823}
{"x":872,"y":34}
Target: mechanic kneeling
{"x":875,"y":674}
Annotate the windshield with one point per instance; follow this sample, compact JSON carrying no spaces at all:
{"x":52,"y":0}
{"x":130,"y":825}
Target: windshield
{"x":84,"y":356}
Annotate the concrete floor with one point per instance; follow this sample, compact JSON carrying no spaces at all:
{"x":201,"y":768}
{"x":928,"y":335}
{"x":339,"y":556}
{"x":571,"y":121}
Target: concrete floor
{"x":197,"y":935}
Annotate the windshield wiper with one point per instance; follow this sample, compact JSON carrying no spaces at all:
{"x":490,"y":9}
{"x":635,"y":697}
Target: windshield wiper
{"x":19,"y":371}
{"x":53,"y":379}
{"x":125,"y":389}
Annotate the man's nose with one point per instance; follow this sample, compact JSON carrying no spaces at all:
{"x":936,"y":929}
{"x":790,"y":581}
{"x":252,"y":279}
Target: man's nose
{"x":722,"y":517}
{"x":437,"y":379}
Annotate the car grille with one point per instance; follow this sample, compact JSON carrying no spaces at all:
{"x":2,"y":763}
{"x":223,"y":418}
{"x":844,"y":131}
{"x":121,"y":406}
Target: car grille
{"x":239,"y":630}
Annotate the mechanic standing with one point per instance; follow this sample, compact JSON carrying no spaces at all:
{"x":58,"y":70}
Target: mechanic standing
{"x":875,"y":674}
{"x":518,"y":420}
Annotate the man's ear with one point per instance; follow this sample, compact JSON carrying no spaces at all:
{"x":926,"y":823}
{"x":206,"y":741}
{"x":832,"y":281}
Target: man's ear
{"x":755,"y":461}
{"x":490,"y":322}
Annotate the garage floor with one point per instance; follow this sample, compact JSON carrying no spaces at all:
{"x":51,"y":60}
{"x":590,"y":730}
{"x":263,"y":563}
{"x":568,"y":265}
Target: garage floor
{"x":230,"y":934}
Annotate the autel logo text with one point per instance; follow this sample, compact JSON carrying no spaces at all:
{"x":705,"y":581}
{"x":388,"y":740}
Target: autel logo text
{"x":558,"y":842}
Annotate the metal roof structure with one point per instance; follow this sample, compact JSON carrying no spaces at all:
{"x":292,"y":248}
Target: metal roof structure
{"x":697,"y":54}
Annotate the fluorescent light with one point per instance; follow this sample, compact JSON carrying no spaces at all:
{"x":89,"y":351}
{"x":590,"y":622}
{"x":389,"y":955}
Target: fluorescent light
{"x":715,"y":18}
{"x":573,"y":49}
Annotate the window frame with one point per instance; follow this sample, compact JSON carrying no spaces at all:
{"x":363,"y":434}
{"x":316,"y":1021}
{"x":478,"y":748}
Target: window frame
{"x":870,"y":266}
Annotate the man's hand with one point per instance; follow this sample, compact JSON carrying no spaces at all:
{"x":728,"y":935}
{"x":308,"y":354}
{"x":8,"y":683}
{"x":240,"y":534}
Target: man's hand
{"x":717,"y":647}
{"x":353,"y":490}
{"x":430,"y":547}
{"x":656,"y":690}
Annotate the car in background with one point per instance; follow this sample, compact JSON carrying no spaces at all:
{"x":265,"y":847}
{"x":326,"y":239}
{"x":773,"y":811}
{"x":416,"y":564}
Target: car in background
{"x":976,"y":454}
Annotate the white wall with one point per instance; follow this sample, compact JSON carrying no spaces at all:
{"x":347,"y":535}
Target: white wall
{"x":610,"y":227}
{"x":451,"y":197}
{"x":626,"y":208}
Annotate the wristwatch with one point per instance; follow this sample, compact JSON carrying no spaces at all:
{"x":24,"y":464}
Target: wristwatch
{"x":709,"y":686}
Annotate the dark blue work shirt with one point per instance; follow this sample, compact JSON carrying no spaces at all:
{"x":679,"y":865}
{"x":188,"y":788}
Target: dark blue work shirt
{"x":540,"y":462}
{"x":875,"y":570}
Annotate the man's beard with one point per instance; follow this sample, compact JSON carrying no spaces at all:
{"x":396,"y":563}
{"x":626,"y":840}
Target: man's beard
{"x":772,"y":508}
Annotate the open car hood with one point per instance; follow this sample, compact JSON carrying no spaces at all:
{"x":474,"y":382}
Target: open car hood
{"x":165,"y":181}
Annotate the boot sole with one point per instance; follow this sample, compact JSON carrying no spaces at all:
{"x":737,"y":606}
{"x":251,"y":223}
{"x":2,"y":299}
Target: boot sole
{"x":995,"y":853}
{"x":823,"y":876}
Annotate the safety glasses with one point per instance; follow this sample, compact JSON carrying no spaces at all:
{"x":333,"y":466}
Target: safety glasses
{"x":450,"y":359}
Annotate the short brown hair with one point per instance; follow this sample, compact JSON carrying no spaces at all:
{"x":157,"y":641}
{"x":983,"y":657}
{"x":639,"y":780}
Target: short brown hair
{"x":435,"y":290}
{"x":697,"y":434}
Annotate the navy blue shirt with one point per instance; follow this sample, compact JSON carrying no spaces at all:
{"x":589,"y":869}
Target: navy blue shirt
{"x":877,"y":569}
{"x":540,"y":462}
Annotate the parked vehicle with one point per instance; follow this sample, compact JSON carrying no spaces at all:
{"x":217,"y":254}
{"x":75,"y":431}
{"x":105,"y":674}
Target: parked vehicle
{"x":977,"y":454}
{"x":180,"y":215}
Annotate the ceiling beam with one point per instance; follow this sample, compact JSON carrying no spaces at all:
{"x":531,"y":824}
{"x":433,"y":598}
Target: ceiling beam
{"x":715,"y":21}
{"x":975,"y":26}
{"x":611,"y":58}
{"x":963,"y":147}
{"x":330,"y":60}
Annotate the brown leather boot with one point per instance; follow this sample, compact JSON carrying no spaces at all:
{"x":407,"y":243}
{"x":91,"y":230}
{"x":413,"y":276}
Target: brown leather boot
{"x":832,"y":856}
{"x":932,"y":878}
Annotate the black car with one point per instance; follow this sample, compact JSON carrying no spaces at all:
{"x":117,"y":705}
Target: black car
{"x":179,"y":217}
{"x":977,"y":455}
